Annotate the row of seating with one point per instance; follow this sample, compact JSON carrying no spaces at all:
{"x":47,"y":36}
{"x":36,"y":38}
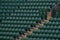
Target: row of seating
{"x":30,"y":3}
{"x":39,"y":39}
{"x":24,"y":7}
{"x":32,"y":0}
{"x":21,"y":15}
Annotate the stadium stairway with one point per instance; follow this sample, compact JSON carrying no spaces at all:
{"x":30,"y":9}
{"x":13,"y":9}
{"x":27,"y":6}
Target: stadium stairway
{"x":16,"y":15}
